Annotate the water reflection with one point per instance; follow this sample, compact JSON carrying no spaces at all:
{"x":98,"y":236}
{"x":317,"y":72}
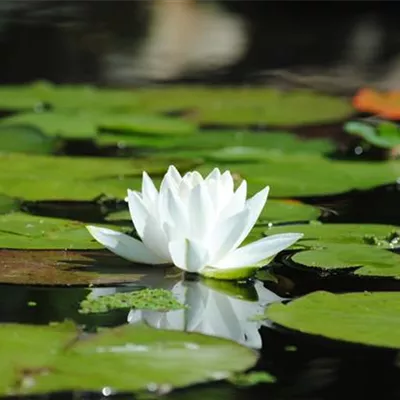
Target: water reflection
{"x":214,"y":308}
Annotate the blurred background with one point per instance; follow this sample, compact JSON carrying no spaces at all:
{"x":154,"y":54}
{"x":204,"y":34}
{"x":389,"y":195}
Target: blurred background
{"x":331,"y":46}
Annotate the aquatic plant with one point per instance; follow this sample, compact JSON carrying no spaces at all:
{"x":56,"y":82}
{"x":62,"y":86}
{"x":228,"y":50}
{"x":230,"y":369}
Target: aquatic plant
{"x":197,"y":224}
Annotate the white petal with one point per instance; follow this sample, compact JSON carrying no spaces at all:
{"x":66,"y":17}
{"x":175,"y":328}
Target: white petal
{"x":227,"y":234}
{"x":154,"y":238}
{"x":170,"y":181}
{"x":138,"y":211}
{"x":188,"y":255}
{"x":178,"y":217}
{"x":255,"y":204}
{"x":200,"y":212}
{"x":236,"y":203}
{"x":227,"y":181}
{"x":174,"y":174}
{"x":149,"y":191}
{"x":258,"y":251}
{"x":214,"y":174}
{"x":124,"y":246}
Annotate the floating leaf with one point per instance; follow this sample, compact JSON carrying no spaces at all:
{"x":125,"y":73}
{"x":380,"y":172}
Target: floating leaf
{"x":385,"y":134}
{"x":307,"y":175}
{"x":24,"y":231}
{"x":244,"y":106}
{"x":25,"y":139}
{"x":364,"y":318}
{"x":75,"y":178}
{"x":232,"y":145}
{"x":56,"y":124}
{"x":363,"y":259}
{"x":48,"y":359}
{"x":145,"y":299}
{"x":145,"y":124}
{"x":8,"y":204}
{"x":319,"y":235}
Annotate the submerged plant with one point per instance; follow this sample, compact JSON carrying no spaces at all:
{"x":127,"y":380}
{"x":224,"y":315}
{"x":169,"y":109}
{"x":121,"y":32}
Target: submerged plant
{"x":196,"y":224}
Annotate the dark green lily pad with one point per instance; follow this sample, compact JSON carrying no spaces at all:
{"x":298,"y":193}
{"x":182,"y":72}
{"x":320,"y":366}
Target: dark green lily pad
{"x":318,"y":235}
{"x":25,"y":139}
{"x":366,"y":318}
{"x":244,"y":106}
{"x":363,"y":259}
{"x":145,"y":299}
{"x":54,"y":358}
{"x":60,"y":267}
{"x":382,"y":134}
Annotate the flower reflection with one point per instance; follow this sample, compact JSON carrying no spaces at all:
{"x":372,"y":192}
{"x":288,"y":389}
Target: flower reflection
{"x":214,"y":308}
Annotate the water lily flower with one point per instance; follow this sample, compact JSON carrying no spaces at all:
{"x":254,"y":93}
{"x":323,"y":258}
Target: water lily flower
{"x":197,"y":224}
{"x":212,"y":311}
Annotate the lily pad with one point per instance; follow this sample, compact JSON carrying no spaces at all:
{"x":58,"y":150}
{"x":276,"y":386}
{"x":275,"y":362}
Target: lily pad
{"x":244,"y":106}
{"x":25,"y":139}
{"x":60,"y":267}
{"x":145,"y":299}
{"x":365,"y":318}
{"x":318,"y":235}
{"x":384,"y":134}
{"x":54,"y":358}
{"x":280,"y":211}
{"x":24,"y":231}
{"x":56,"y":124}
{"x":145,"y":124}
{"x":8,"y":204}
{"x":37,"y":177}
{"x":235,"y":145}
{"x":295,"y":175}
{"x":363,"y":260}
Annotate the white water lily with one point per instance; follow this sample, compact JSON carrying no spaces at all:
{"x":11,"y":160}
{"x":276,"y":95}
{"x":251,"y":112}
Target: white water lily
{"x":212,"y":312}
{"x":195,"y":223}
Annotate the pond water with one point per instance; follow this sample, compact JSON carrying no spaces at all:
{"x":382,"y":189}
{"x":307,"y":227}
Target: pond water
{"x":321,"y":320}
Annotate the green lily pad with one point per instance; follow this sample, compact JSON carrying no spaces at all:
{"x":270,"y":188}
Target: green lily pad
{"x":318,"y":235}
{"x":24,"y":231}
{"x":145,"y":299}
{"x":54,"y":358}
{"x":67,"y":125}
{"x":383,"y":134}
{"x":232,"y":146}
{"x":76,"y":178}
{"x":145,"y":124}
{"x":25,"y":139}
{"x":295,"y":175}
{"x":65,"y":97}
{"x":8,"y":204}
{"x":363,"y":259}
{"x":279,"y":211}
{"x":243,"y":106}
{"x":60,"y":267}
{"x":365,"y":318}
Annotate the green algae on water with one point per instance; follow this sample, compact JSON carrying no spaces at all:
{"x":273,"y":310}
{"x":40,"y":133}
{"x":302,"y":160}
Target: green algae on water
{"x":146,"y":299}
